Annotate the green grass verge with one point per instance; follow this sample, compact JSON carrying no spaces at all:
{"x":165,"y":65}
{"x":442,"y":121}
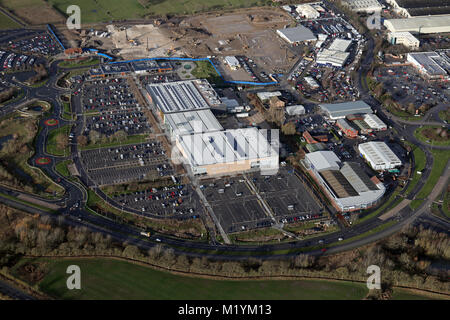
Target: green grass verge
{"x":7,"y":23}
{"x":418,"y":133}
{"x":444,"y":115}
{"x":402,"y":294}
{"x":82,"y":63}
{"x":114,"y":279}
{"x":365,"y":234}
{"x":389,"y":203}
{"x":7,"y":196}
{"x":420,"y":161}
{"x":440,"y":158}
{"x":52,"y":146}
{"x":61,"y":168}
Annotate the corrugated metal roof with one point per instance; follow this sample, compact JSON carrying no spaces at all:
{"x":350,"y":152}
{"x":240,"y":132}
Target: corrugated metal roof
{"x":226,"y":146}
{"x":357,"y":177}
{"x":343,"y":109}
{"x":323,"y":160}
{"x":192,"y":122}
{"x":298,"y":34}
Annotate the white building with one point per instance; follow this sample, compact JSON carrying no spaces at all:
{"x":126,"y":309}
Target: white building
{"x":374,"y":122}
{"x":346,"y":184}
{"x":311,"y":82}
{"x":332,"y":58}
{"x":232,"y":62}
{"x":429,"y":64}
{"x":228,"y":152}
{"x":340,"y":45}
{"x":379,"y":155}
{"x":404,"y":38}
{"x":431,"y":24}
{"x":266,"y":95}
{"x":297,"y":34}
{"x":307,"y":11}
{"x":295,"y":110}
{"x":189,"y":122}
{"x":368,"y":6}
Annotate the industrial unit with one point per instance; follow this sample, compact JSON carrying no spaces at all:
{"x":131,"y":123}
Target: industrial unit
{"x":430,"y":64}
{"x":379,"y":155}
{"x":189,"y":122}
{"x":307,"y":11}
{"x":227,"y":152}
{"x":432,"y":24}
{"x":297,"y":34}
{"x":374,"y":122}
{"x":346,"y":128}
{"x":346,"y":184}
{"x":341,"y":110}
{"x":368,"y":6}
{"x":404,"y":38}
{"x":336,"y":54}
{"x":182,"y":96}
{"x":295,"y":110}
{"x":232,"y":62}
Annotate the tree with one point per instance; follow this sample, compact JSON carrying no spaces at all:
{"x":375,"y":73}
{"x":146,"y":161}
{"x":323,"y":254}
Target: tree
{"x":288,"y":128}
{"x":62,"y":141}
{"x":94,"y":136}
{"x":82,"y":140}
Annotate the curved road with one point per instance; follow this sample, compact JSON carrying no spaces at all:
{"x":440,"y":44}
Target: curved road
{"x":76,"y":194}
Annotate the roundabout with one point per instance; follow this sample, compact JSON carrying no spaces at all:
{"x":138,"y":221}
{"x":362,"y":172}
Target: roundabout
{"x":51,"y":122}
{"x":42,"y":161}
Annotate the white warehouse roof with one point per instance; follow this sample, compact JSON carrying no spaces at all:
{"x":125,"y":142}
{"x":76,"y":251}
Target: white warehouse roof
{"x":323,"y":160}
{"x":192,"y":122}
{"x":295,"y":110}
{"x":297,"y":34}
{"x":379,"y":155}
{"x":340,"y":45}
{"x":374,"y":122}
{"x":332,"y":57}
{"x":232,"y":61}
{"x":428,"y":24}
{"x":341,"y":110}
{"x":182,"y":95}
{"x":226,"y":146}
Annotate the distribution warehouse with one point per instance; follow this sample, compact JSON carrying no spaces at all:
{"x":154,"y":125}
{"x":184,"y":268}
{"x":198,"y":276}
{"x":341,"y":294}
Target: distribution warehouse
{"x":341,"y":110}
{"x":297,"y":34}
{"x":346,"y":184}
{"x":379,"y":155}
{"x":179,"y":123}
{"x":182,"y":96}
{"x":229,"y":151}
{"x":432,"y":24}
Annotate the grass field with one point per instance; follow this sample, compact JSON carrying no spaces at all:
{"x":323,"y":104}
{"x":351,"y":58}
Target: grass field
{"x":204,"y":70}
{"x":52,"y":145}
{"x":112,"y":279}
{"x":7,"y":23}
{"x":440,"y":158}
{"x":402,"y":294}
{"x":195,"y":6}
